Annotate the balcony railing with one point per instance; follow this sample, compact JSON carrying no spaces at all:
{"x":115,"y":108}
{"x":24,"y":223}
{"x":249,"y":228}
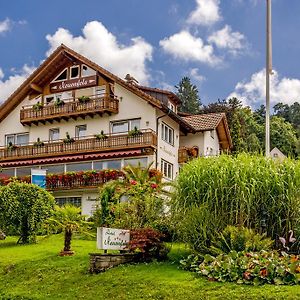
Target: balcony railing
{"x":110,"y":142}
{"x":70,"y":108}
{"x":185,"y":154}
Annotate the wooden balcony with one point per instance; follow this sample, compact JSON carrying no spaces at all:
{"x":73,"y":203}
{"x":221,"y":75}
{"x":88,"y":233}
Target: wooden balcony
{"x":185,"y":154}
{"x":71,"y":108}
{"x":147,"y":139}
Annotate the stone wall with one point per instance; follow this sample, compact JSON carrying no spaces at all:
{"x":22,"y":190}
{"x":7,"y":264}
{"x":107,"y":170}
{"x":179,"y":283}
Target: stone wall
{"x":101,"y":262}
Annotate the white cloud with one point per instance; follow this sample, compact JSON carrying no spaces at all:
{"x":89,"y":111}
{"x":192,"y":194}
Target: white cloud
{"x":102,"y":47}
{"x":227,"y":39}
{"x":5,"y":25}
{"x":8,"y":86}
{"x":187,"y":47}
{"x":206,"y":13}
{"x":286,"y":90}
{"x":194,"y":73}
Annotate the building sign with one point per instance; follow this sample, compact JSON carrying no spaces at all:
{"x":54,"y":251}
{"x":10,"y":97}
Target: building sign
{"x":113,"y":239}
{"x":71,"y":84}
{"x":38,"y":177}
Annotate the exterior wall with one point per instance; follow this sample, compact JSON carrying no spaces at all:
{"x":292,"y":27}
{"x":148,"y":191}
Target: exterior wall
{"x":166,"y":151}
{"x":192,"y":140}
{"x":211,"y":144}
{"x":130,"y":107}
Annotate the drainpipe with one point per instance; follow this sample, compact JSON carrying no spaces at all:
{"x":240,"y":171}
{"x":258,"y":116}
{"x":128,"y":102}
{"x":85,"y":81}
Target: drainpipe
{"x":157,"y":119}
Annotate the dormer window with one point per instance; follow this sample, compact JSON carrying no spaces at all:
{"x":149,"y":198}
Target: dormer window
{"x":62,"y":76}
{"x":74,"y":72}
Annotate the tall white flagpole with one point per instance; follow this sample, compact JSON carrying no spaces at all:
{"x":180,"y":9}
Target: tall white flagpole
{"x":268,"y":73}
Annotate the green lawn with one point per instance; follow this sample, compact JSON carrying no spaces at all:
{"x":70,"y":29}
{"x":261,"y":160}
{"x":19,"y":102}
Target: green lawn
{"x":37,"y":272}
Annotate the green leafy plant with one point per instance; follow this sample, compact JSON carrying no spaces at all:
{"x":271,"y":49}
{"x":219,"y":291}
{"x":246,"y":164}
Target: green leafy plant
{"x":68,"y":139}
{"x":242,"y":190}
{"x":135,"y":132}
{"x":11,"y":146}
{"x":252,"y":268}
{"x":191,"y":263}
{"x":38,"y":143}
{"x":58,"y":102}
{"x":84,"y":99}
{"x":240,"y":239}
{"x":69,"y":219}
{"x":25,"y":207}
{"x":101,"y":136}
{"x":37,"y":106}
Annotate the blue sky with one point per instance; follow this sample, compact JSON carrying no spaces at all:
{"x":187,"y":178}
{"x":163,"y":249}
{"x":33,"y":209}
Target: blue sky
{"x":220,"y":44}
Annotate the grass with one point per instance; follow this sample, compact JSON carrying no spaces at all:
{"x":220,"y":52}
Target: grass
{"x":37,"y":272}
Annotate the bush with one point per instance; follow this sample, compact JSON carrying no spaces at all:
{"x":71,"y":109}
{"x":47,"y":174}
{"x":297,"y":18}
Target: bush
{"x":240,"y":239}
{"x":244,"y":190}
{"x":192,"y":262}
{"x":252,"y":268}
{"x":25,"y":207}
{"x":149,"y":243}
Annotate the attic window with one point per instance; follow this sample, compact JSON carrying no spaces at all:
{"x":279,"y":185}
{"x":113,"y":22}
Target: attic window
{"x":86,"y":71}
{"x":62,"y":76}
{"x":74,"y":72}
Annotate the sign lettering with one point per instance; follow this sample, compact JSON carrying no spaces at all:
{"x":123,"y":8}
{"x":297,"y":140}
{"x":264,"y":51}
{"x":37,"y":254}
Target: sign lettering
{"x":113,"y":239}
{"x":73,"y":84}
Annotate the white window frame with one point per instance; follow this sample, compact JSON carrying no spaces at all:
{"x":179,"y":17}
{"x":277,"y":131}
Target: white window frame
{"x":168,"y":167}
{"x":52,"y":130}
{"x":77,"y":130}
{"x":83,"y":65}
{"x":14,"y":135}
{"x":166,"y":137}
{"x":73,"y":67}
{"x":125,"y":121}
{"x":60,"y":74}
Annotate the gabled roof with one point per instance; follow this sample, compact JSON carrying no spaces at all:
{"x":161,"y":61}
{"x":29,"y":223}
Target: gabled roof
{"x":51,"y":65}
{"x":206,"y":122}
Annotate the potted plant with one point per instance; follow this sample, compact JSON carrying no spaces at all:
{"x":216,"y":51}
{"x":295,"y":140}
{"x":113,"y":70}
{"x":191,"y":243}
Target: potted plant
{"x":38,"y":143}
{"x":68,"y":139}
{"x":38,"y":106}
{"x":11,"y":146}
{"x":58,"y":102}
{"x":101,"y":136}
{"x":84,"y":99}
{"x":134,"y":132}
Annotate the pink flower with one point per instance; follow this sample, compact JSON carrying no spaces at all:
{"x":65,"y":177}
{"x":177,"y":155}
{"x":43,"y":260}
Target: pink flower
{"x":133,"y":182}
{"x":154,"y":185}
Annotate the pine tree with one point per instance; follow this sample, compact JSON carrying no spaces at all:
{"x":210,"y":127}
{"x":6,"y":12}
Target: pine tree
{"x":188,"y":94}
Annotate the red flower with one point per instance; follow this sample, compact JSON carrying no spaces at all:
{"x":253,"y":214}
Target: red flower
{"x":154,"y":185}
{"x":133,"y":182}
{"x":263,"y":272}
{"x":247,"y":275}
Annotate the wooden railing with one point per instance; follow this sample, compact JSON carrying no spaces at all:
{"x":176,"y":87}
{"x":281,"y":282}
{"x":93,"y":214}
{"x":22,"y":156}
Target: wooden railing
{"x":70,"y":108}
{"x":185,"y":154}
{"x":111,"y":142}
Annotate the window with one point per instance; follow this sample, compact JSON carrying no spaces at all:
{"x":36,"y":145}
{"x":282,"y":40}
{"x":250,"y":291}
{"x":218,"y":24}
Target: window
{"x":86,"y":71}
{"x":53,"y":134}
{"x":172,"y":106}
{"x":100,"y":91}
{"x":167,"y":169}
{"x":85,"y":166}
{"x":76,"y":201}
{"x":54,"y":169}
{"x":212,"y":134}
{"x":17,"y":139}
{"x":23,"y":172}
{"x":98,"y":165}
{"x":167,"y":134}
{"x":74,"y":72}
{"x":113,"y":164}
{"x":8,"y":172}
{"x":80,"y":131}
{"x":136,"y":161}
{"x":50,"y":99}
{"x":62,"y":76}
{"x":125,"y":126}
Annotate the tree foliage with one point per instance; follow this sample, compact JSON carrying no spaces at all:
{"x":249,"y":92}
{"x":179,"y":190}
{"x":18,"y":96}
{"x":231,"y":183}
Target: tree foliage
{"x":25,"y":207}
{"x":188,"y":94}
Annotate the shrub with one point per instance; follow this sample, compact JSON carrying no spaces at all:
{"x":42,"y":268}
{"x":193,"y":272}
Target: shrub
{"x":240,"y":239}
{"x":149,"y":243}
{"x":25,"y":207}
{"x":241,"y":190}
{"x":191,"y":263}
{"x":252,"y":268}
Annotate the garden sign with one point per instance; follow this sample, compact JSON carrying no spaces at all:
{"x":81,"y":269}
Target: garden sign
{"x":113,"y":239}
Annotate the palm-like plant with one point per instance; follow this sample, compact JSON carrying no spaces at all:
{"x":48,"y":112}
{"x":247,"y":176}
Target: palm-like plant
{"x":68,"y":218}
